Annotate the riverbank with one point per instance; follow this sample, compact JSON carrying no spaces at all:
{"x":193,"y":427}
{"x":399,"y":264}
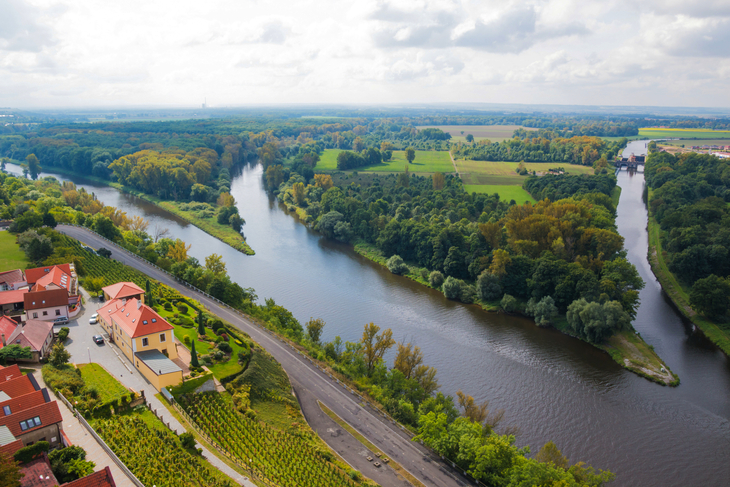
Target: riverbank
{"x":676,"y":292}
{"x":224,"y":233}
{"x":627,"y":348}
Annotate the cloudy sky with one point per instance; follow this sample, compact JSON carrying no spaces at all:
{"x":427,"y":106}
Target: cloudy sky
{"x":177,"y":53}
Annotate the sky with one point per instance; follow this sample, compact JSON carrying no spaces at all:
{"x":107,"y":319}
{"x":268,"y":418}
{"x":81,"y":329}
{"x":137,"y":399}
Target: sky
{"x":236,"y":53}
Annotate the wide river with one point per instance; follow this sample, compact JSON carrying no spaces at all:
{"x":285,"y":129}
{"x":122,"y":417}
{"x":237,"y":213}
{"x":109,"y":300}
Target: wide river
{"x":552,"y":386}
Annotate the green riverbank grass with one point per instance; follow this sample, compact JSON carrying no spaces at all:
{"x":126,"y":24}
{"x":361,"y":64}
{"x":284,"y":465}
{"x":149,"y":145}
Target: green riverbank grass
{"x":678,"y":293}
{"x":616,"y":196}
{"x":11,"y":257}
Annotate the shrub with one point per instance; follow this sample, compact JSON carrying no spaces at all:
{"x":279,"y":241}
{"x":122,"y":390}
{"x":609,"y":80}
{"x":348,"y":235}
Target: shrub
{"x":186,"y":341}
{"x":28,"y":453}
{"x":183,"y":308}
{"x":63,"y":334}
{"x":225,"y":347}
{"x":468,"y":293}
{"x":215,"y":324}
{"x":543,"y":311}
{"x":168,"y":307}
{"x":451,"y":288}
{"x":396,"y":265}
{"x":488,"y":286}
{"x":187,"y":440}
{"x":436,"y":279}
{"x":509,"y":303}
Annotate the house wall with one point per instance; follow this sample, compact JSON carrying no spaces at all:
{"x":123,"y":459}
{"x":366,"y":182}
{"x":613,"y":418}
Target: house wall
{"x":50,"y":313}
{"x":153,"y":341}
{"x":159,"y":381}
{"x":47,"y":433}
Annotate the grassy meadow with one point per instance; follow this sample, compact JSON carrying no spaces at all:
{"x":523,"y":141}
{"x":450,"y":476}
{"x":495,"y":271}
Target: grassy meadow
{"x":505,"y":192}
{"x":425,"y":162}
{"x":11,"y":257}
{"x":495,"y":133}
{"x":689,"y":143}
{"x":658,"y":133}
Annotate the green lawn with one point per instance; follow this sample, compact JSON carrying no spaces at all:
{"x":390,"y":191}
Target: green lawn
{"x":506,"y":192}
{"x":425,"y":161}
{"x":11,"y":257}
{"x":657,"y":133}
{"x":108,"y":387}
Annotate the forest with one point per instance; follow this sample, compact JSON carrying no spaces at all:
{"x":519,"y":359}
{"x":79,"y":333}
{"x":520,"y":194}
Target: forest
{"x":689,"y":200}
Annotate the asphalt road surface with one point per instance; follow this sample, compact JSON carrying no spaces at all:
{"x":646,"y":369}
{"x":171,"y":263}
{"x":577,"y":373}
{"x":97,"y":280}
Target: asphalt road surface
{"x":311,"y":384}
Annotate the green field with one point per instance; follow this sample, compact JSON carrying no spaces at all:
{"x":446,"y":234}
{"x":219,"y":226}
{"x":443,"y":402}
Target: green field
{"x":11,"y":257}
{"x":495,"y":133}
{"x":506,"y":192}
{"x":425,"y":161}
{"x":657,"y":133}
{"x":108,"y":387}
{"x":689,"y":143}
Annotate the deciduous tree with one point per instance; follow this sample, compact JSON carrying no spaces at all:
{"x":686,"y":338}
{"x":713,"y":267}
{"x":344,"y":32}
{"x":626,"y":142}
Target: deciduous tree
{"x":410,"y":154}
{"x":375,"y":345}
{"x":314,"y":329}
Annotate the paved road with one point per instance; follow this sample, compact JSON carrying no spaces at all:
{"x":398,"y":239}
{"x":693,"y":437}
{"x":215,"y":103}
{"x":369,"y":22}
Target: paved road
{"x":84,"y":350}
{"x":310,"y":384}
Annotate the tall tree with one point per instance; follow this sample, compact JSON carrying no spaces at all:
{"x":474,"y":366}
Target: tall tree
{"x":374,"y":346}
{"x":215,"y":264}
{"x":10,"y":474}
{"x":408,"y":358}
{"x":194,"y":356}
{"x":410,"y":154}
{"x":34,"y":166}
{"x":438,"y":181}
{"x":148,"y":294}
{"x":201,"y":324}
{"x":314,"y":329}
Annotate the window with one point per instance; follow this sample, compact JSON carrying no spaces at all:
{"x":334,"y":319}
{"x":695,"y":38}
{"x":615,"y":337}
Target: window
{"x":154,"y":320}
{"x":162,"y":337}
{"x":58,"y":312}
{"x":6,"y":410}
{"x":24,"y":426}
{"x":37,"y":420}
{"x":35,"y":315}
{"x":45,"y":313}
{"x":144,"y":342}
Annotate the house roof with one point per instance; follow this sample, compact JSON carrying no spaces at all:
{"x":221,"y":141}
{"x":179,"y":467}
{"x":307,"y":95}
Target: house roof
{"x":9,"y":277}
{"x":48,"y":413}
{"x":9,"y":449}
{"x":26,"y":401}
{"x":55,"y":276}
{"x":122,"y":290}
{"x":46,"y":299}
{"x":38,"y":473}
{"x":33,"y":334}
{"x":7,"y":327}
{"x":33,"y":275}
{"x":12,"y":297}
{"x":10,"y":372}
{"x":102,"y":478}
{"x":18,"y":386}
{"x":158,"y":362}
{"x":135,"y":318}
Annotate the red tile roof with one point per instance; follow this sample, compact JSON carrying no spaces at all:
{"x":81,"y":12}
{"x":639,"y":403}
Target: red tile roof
{"x":7,"y":327}
{"x":135,"y":318}
{"x":46,"y":299}
{"x":48,"y":412}
{"x":33,"y":334}
{"x":10,"y":372}
{"x":38,"y":473}
{"x":102,"y":478}
{"x":33,"y":275}
{"x":12,"y":297}
{"x":122,"y":290}
{"x":18,"y":386}
{"x":11,"y":448}
{"x":10,"y":277}
{"x":21,"y":403}
{"x":55,"y":276}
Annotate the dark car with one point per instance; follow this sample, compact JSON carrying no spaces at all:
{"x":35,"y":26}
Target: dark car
{"x":98,"y":339}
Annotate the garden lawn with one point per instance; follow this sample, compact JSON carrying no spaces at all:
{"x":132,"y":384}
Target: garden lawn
{"x":108,"y":387}
{"x":425,"y":162}
{"x":506,"y":192}
{"x":11,"y":257}
{"x":657,"y":133}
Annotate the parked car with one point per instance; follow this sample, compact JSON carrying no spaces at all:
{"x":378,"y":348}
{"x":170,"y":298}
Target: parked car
{"x":98,"y":339}
{"x":94,"y":319}
{"x":61,"y":320}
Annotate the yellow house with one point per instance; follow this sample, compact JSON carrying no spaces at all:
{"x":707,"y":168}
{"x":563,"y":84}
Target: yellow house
{"x":145,"y":337}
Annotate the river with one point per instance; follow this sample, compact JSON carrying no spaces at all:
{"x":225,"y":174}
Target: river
{"x":552,"y":386}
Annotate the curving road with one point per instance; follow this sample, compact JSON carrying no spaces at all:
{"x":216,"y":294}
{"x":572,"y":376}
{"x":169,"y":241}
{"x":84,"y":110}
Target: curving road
{"x":310,"y":384}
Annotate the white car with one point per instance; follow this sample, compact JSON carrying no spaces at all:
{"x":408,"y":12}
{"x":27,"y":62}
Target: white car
{"x":94,"y":319}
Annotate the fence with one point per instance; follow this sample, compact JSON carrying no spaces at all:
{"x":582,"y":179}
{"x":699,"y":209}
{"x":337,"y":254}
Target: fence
{"x":101,"y":442}
{"x":286,"y":342}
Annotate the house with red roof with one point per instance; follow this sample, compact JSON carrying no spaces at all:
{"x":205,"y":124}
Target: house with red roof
{"x":59,"y":276}
{"x":38,"y":423}
{"x":16,"y":386}
{"x":123,"y":290}
{"x":47,"y":305}
{"x":36,"y":334}
{"x":12,"y":302}
{"x":38,"y":473}
{"x":145,"y":337}
{"x":26,"y":401}
{"x":10,"y":372}
{"x":11,"y":280}
{"x":102,"y":478}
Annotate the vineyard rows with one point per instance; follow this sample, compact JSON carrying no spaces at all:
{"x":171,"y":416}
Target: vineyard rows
{"x":110,"y":270}
{"x":156,"y":457}
{"x":282,"y":458}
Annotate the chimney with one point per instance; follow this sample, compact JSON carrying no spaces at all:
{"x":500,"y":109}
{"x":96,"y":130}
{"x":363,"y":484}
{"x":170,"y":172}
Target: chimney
{"x":139,"y":304}
{"x":3,"y":339}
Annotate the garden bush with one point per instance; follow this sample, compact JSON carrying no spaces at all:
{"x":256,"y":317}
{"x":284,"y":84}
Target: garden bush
{"x":396,"y":265}
{"x":436,"y":279}
{"x":509,"y":303}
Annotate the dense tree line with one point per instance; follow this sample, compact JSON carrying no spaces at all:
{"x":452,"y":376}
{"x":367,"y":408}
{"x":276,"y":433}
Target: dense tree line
{"x":689,"y":199}
{"x":558,"y":186}
{"x":575,"y":150}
